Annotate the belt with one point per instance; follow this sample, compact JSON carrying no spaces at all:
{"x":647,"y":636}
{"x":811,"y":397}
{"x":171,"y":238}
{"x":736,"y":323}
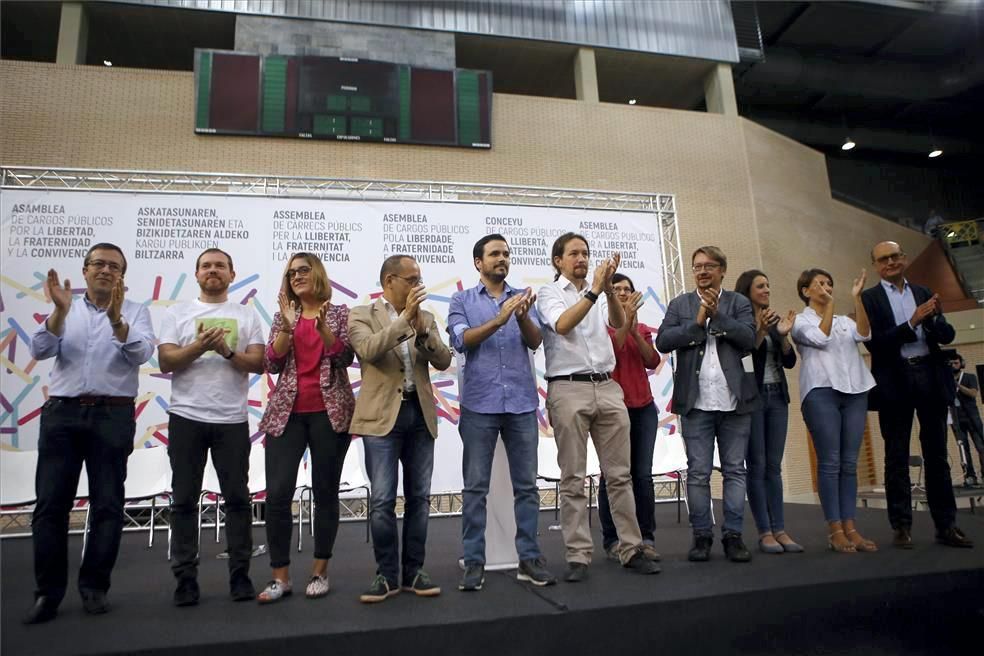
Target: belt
{"x":581,"y":378}
{"x":95,"y":400}
{"x":917,"y":360}
{"x":772,"y":386}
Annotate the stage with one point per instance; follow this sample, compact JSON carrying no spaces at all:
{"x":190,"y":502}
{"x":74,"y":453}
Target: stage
{"x":929,"y":600}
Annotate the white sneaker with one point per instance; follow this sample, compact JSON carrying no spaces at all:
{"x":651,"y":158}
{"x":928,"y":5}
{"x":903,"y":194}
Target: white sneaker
{"x":317,"y":587}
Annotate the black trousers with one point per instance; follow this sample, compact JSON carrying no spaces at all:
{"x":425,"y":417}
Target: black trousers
{"x":188,"y":444}
{"x":921,"y":397}
{"x":283,"y":455}
{"x":970,"y":437}
{"x":101,"y":436}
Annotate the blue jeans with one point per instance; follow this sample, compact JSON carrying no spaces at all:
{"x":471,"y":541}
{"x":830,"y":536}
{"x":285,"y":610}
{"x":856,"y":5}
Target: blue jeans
{"x":410,"y":444}
{"x":836,"y":423}
{"x":764,"y":459}
{"x":699,"y":430}
{"x":479,"y":434}
{"x":643,"y":424}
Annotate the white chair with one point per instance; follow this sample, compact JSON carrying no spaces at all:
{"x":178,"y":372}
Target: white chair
{"x":547,"y":469}
{"x":256,"y":482}
{"x":302,"y":491}
{"x":670,"y":468}
{"x":17,"y":494}
{"x":147,"y":478}
{"x":593,"y":473}
{"x":210,"y":488}
{"x":355,"y":483}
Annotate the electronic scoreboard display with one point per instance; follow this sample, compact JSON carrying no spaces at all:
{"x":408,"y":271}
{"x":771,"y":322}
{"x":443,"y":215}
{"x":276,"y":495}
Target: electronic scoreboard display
{"x":341,"y":98}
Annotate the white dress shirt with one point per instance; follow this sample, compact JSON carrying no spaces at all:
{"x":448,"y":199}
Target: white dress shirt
{"x":830,"y":360}
{"x":587,"y":348}
{"x":903,"y":307}
{"x":713,"y":393}
{"x":403,"y":348}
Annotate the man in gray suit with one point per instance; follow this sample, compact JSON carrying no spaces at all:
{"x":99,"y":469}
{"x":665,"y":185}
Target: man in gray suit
{"x":711,"y":330}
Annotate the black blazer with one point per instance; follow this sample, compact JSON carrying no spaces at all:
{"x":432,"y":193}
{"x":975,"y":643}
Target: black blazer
{"x":734,"y":328}
{"x":886,"y":342}
{"x":788,"y":361}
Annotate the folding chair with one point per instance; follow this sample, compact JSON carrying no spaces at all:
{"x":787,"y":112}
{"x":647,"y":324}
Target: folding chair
{"x":670,"y":468}
{"x":17,"y":494}
{"x":354,"y":483}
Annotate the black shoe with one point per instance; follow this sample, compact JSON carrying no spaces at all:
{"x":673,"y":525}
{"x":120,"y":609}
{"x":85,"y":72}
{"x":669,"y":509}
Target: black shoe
{"x":94,"y":602}
{"x":954,"y":537}
{"x":241,"y":588}
{"x":186,"y":593}
{"x":43,"y":610}
{"x":701,"y":551}
{"x":902,"y":538}
{"x":474,"y":578}
{"x":534,"y":572}
{"x":642,"y":565}
{"x":735,"y":549}
{"x":576,"y":572}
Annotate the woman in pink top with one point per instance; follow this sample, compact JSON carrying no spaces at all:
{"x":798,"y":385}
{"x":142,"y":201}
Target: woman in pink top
{"x":310,"y":408}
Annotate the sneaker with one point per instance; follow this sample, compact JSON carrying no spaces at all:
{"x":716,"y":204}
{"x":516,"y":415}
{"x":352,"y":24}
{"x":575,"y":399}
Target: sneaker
{"x":576,"y":572}
{"x":642,"y":565}
{"x":187,"y":593}
{"x":275,"y":590}
{"x":379,"y":590}
{"x":533,"y":571}
{"x":701,"y":551}
{"x":735,"y":549}
{"x":473,"y":579}
{"x":649,"y":551}
{"x":970,"y":481}
{"x":422,"y":586}
{"x":317,"y":587}
{"x":611,"y":552}
{"x":241,"y":588}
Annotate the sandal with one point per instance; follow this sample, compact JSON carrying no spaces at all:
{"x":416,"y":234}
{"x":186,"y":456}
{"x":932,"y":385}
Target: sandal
{"x":862,"y":543}
{"x":788,"y":545}
{"x":840,"y":548}
{"x":274,"y":591}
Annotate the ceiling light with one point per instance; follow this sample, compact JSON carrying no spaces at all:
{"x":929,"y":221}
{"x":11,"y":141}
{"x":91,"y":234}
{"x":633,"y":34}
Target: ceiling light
{"x":632,"y":101}
{"x":106,"y":62}
{"x":936,"y":152}
{"x":848,"y":144}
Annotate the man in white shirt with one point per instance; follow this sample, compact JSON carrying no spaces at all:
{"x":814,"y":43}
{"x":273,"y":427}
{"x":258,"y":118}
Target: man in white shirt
{"x":210,"y":344}
{"x":582,"y":398}
{"x":711,"y":330}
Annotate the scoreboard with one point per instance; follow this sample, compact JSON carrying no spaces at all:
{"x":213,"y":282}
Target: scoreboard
{"x":341,"y":98}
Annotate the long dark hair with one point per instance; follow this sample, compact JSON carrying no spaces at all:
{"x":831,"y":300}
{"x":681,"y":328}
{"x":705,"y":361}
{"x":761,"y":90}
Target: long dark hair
{"x":744,"y":283}
{"x":558,"y":249}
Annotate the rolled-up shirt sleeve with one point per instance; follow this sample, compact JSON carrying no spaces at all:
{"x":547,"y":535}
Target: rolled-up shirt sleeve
{"x":139,"y":345}
{"x":44,"y":344}
{"x":807,"y":333}
{"x":457,"y":323}
{"x":549,"y":306}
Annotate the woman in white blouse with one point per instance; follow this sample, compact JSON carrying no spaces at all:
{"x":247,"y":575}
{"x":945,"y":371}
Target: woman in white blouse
{"x":834,"y":384}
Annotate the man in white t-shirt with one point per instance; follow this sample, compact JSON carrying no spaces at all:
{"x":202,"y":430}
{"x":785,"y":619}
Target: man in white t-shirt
{"x":210,"y":344}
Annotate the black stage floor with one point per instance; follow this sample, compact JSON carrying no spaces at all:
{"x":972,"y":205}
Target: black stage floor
{"x":926,"y":601}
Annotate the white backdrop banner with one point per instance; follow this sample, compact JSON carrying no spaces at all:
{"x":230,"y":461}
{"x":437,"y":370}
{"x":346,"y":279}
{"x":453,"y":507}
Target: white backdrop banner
{"x":163,"y":234}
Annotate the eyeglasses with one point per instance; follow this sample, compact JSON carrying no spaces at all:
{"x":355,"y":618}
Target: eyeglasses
{"x":706,"y":266}
{"x":891,"y":257}
{"x":413,"y":282}
{"x":299,"y":271}
{"x":102,"y":264}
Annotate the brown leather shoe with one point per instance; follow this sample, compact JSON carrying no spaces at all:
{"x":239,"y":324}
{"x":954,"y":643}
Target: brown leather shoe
{"x":954,"y":537}
{"x":902,"y":538}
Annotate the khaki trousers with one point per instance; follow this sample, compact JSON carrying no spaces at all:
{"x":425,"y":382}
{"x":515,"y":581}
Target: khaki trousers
{"x":577,"y":410}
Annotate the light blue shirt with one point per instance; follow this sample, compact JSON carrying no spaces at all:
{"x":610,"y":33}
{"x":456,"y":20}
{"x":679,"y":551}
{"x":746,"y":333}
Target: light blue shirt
{"x":498,"y":375}
{"x":89,"y":360}
{"x":903,"y":307}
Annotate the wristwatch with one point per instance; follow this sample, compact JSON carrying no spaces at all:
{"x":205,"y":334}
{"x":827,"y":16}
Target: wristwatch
{"x":591,"y":296}
{"x":231,"y":353}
